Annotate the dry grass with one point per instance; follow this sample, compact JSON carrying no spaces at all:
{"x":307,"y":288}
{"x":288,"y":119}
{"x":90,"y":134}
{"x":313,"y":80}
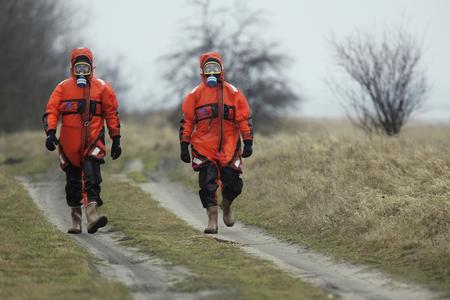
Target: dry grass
{"x":382,"y":200}
{"x":378,"y":200}
{"x":24,"y":153}
{"x":372,"y":199}
{"x":55,"y":267}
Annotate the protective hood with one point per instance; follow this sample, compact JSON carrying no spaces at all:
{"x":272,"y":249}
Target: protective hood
{"x":211,"y":55}
{"x":81,"y":51}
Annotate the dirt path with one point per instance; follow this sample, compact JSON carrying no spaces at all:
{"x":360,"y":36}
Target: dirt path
{"x":346,"y":280}
{"x":147,"y":277}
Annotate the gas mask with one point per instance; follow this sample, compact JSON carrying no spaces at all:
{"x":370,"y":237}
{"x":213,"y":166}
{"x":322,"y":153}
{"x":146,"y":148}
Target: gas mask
{"x":212,"y":71}
{"x":82,"y":70}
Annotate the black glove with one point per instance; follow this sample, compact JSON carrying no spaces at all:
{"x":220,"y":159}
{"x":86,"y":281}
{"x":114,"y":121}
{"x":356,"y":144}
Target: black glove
{"x":51,"y":141}
{"x":115,"y":148}
{"x":248,"y":144}
{"x":185,"y":156}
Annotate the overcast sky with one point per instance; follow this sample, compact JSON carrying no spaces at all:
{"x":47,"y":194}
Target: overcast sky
{"x":138,"y":31}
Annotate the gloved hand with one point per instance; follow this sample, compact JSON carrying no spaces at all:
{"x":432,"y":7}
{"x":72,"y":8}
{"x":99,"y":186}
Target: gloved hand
{"x":247,"y":152}
{"x":116,"y":150}
{"x":51,"y":141}
{"x":185,"y":155}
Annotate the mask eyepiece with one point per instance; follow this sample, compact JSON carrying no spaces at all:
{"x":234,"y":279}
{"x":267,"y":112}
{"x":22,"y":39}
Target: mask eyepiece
{"x":82,"y":69}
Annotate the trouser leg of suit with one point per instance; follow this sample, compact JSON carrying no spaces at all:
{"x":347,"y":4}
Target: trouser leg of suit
{"x":73,"y":186}
{"x":232,"y":183}
{"x":207,"y":180}
{"x":92,"y":180}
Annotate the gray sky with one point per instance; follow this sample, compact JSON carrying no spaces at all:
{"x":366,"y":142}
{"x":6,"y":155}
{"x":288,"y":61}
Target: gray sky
{"x":139,"y":31}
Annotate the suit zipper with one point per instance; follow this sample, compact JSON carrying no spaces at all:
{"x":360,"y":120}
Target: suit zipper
{"x":86,"y":118}
{"x":221,"y":109}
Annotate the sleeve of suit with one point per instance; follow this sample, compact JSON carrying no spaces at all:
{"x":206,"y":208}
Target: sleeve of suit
{"x":187,"y":121}
{"x":244,"y":117}
{"x":110,"y":111}
{"x":51,"y":115}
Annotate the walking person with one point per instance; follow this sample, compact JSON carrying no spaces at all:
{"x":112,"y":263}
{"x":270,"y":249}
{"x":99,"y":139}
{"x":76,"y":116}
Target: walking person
{"x":216,"y":115}
{"x":83,"y":103}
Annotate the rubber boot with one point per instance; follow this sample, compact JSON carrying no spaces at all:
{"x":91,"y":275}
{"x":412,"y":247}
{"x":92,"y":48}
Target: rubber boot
{"x":228,"y":216}
{"x":94,"y":221}
{"x":75,"y":212}
{"x":213,"y":213}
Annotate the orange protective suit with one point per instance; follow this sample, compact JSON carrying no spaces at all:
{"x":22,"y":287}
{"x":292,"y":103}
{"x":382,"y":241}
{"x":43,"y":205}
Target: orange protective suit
{"x":83,"y":112}
{"x":214,"y":119}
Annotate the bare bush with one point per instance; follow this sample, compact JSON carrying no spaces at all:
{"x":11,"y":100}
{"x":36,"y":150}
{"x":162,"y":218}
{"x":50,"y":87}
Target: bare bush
{"x":385,"y":81}
{"x":257,"y":67}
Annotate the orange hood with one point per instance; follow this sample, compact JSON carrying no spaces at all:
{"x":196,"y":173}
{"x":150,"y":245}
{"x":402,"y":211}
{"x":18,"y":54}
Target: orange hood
{"x":204,"y":57}
{"x":81,"y":51}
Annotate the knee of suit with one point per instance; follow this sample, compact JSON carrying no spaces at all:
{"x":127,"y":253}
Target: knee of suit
{"x":209,"y":187}
{"x":92,"y":173}
{"x":233,"y":189}
{"x":207,"y":178}
{"x":207,"y":198}
{"x":73,"y":186}
{"x":73,"y":191}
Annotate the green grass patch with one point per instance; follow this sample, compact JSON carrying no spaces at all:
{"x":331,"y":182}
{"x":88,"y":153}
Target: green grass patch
{"x":25,"y":154}
{"x":137,"y":176}
{"x":39,"y":262}
{"x":217,"y":265}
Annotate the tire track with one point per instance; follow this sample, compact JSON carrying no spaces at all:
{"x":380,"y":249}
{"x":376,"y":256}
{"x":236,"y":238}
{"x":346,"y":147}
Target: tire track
{"x":146,"y":277}
{"x":346,"y":280}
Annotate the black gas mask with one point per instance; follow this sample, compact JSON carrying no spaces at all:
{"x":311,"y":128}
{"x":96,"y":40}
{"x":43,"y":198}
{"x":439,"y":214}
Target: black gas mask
{"x":82,"y":69}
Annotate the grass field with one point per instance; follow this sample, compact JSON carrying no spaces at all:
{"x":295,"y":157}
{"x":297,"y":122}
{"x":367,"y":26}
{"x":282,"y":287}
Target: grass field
{"x":372,"y":199}
{"x":379,"y":200}
{"x":39,"y":262}
{"x":216,"y":265}
{"x":36,"y":260}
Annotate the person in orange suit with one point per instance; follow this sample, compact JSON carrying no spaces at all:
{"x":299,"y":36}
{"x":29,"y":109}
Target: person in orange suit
{"x":216,"y":115}
{"x":83,"y":103}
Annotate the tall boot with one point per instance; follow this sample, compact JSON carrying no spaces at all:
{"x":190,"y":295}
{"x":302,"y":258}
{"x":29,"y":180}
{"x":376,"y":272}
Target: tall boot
{"x":94,"y":221}
{"x":228,"y":216}
{"x":75,"y":212}
{"x":213,"y":213}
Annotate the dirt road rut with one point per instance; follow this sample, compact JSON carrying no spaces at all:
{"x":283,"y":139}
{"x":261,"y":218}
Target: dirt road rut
{"x":147,"y":277}
{"x":346,"y":280}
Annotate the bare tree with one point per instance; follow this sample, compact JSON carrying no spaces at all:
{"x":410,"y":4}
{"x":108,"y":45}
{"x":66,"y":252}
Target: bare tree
{"x":37,"y":37}
{"x":32,"y":63}
{"x":257,"y":67}
{"x":386,"y":83}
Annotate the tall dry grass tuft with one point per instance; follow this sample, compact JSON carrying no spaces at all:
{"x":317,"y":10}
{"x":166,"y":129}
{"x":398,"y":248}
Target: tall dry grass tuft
{"x":373,"y":199}
{"x":378,"y":199}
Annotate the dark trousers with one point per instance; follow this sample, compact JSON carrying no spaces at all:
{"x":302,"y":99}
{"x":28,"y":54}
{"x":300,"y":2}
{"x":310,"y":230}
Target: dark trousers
{"x":231,"y":184}
{"x":90,"y":176}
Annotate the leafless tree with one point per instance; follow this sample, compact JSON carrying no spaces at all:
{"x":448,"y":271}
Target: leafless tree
{"x":36,"y":40}
{"x":30,"y":59}
{"x":384,"y":83}
{"x":257,"y":67}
